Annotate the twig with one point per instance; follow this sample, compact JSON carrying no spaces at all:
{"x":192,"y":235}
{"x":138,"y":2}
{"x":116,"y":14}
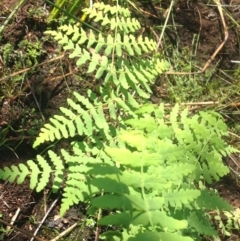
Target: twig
{"x":21,"y":231}
{"x":234,"y":171}
{"x":64,"y":232}
{"x":14,"y":218}
{"x":97,"y":228}
{"x":233,"y":160}
{"x":35,"y":66}
{"x":233,"y":134}
{"x":225,"y":36}
{"x":196,"y":103}
{"x":165,"y":24}
{"x":205,"y":103}
{"x":44,"y":218}
{"x":5,"y":203}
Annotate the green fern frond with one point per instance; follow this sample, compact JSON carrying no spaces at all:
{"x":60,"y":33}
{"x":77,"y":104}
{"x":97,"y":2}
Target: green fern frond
{"x":14,"y":172}
{"x":141,"y":159}
{"x":160,"y":218}
{"x":104,"y":15}
{"x":58,"y":172}
{"x":38,"y":171}
{"x":34,"y":178}
{"x":180,"y":198}
{"x":45,"y":174}
{"x":71,"y":195}
{"x":211,"y":200}
{"x":74,"y":120}
{"x":106,"y":8}
{"x":110,"y":57}
{"x":213,"y":170}
{"x":173,"y":172}
{"x":200,"y":225}
{"x":135,"y":159}
{"x":156,"y":236}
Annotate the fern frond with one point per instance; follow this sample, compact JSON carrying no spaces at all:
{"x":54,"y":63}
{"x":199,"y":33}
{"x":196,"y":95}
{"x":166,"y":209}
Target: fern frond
{"x":200,"y":225}
{"x":180,"y":198}
{"x":58,"y":172}
{"x":34,"y":178}
{"x":155,"y":236}
{"x":173,"y":172}
{"x":159,"y":218}
{"x":45,"y":174}
{"x":75,"y":120}
{"x":15,"y":172}
{"x":140,"y":159}
{"x":106,"y":8}
{"x":120,"y":219}
{"x":39,"y":172}
{"x":213,"y":170}
{"x":105,"y":16}
{"x":135,"y":159}
{"x":110,"y":59}
{"x":212,"y":201}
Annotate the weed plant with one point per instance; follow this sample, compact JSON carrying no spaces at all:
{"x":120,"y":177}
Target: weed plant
{"x":147,"y":164}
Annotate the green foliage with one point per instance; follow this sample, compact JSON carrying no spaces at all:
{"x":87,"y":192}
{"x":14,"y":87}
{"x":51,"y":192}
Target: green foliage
{"x":233,"y":219}
{"x":69,"y":8}
{"x":231,"y":223}
{"x":145,"y":164}
{"x":75,"y":119}
{"x":31,"y":52}
{"x":3,"y":231}
{"x":125,"y":63}
{"x":146,"y":171}
{"x":6,"y":50}
{"x":188,"y":87}
{"x":26,"y":54}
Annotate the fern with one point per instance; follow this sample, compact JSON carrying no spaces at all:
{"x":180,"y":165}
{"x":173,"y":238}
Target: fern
{"x":147,"y":175}
{"x":109,"y":56}
{"x":75,"y":120}
{"x":40,"y":172}
{"x":134,"y":157}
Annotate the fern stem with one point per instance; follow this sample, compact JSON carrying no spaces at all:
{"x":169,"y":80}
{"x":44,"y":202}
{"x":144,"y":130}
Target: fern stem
{"x":144,"y":196}
{"x":98,"y":218}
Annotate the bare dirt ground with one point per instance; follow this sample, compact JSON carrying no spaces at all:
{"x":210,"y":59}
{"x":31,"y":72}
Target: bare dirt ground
{"x":203,"y":17}
{"x":45,"y":88}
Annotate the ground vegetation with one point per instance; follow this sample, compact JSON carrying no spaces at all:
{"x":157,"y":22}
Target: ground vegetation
{"x":184,"y":52}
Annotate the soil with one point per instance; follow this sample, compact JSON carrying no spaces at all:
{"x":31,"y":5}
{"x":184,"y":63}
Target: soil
{"x":45,"y":88}
{"x":200,"y":17}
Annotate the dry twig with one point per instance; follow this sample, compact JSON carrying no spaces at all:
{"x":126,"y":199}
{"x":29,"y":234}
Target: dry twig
{"x":44,"y":218}
{"x":64,"y":232}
